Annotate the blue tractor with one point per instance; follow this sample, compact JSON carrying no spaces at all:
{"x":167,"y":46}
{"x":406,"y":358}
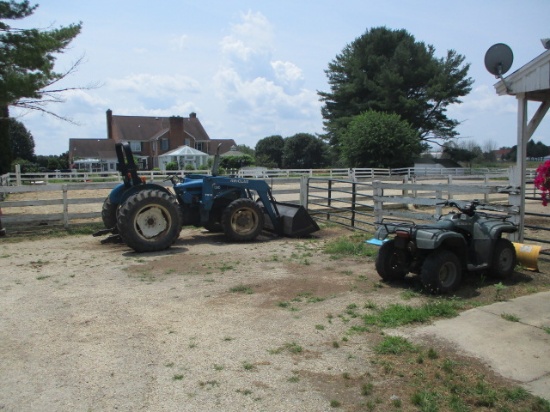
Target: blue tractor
{"x":149,"y":217}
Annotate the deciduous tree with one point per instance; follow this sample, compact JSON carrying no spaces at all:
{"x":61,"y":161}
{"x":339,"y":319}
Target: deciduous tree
{"x":376,"y":139}
{"x":269,"y":151}
{"x":304,"y":151}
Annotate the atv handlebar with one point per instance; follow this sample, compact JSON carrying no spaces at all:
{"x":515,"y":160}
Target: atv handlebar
{"x":468,"y":209}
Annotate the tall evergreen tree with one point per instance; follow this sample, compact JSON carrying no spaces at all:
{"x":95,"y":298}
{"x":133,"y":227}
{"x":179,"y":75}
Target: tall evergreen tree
{"x":27,"y":58}
{"x":389,"y":71}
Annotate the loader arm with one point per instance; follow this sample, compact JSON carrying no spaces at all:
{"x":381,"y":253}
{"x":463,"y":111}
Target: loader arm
{"x":126,"y":165}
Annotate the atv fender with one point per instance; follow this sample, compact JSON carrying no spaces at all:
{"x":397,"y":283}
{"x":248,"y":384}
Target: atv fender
{"x":434,"y":238}
{"x":498,"y":228}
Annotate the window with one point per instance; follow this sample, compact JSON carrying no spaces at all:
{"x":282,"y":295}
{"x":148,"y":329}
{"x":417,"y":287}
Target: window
{"x":164,"y":144}
{"x":135,"y":146}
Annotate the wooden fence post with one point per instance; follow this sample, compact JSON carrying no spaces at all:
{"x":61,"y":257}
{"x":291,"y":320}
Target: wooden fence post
{"x":304,"y":180}
{"x":378,"y":205}
{"x":18,"y":175}
{"x":65,"y":208}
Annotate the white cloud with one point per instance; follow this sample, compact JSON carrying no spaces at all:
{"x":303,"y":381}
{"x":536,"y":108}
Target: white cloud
{"x":252,"y":37}
{"x":151,"y":85}
{"x":288,"y":74}
{"x":266,"y":95}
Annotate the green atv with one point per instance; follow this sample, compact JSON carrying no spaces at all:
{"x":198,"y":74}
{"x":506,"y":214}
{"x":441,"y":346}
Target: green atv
{"x":466,"y":240}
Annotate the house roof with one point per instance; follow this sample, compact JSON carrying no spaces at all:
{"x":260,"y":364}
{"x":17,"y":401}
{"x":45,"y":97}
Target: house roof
{"x":146,"y":128}
{"x":212,"y":145}
{"x":91,"y":148}
{"x":233,"y":152}
{"x":184,"y":151}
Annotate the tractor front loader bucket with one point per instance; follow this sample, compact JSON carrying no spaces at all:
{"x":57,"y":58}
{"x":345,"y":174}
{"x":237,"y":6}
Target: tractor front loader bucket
{"x":295,"y":221}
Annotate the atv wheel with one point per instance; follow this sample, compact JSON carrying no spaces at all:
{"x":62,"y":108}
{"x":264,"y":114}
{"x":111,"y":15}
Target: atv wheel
{"x":242,"y":220}
{"x":504,"y":259}
{"x":441,"y":272}
{"x":108,"y":213}
{"x":391,"y":263}
{"x":149,"y":221}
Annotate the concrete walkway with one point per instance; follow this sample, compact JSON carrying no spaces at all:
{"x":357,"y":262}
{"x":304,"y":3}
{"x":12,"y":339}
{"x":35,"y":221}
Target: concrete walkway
{"x":516,"y":350}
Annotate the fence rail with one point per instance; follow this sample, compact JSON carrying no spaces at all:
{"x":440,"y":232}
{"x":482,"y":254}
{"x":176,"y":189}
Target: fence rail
{"x":361,"y":204}
{"x":75,"y":176}
{"x":357,"y":203}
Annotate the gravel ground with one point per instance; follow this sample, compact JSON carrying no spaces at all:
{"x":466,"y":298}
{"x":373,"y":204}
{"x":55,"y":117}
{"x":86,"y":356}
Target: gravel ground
{"x":206,"y":325}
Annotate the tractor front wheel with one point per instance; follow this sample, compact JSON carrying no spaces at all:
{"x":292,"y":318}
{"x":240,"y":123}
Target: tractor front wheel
{"x":391,"y":263}
{"x":149,"y":221}
{"x":441,"y":272}
{"x":504,"y":259}
{"x":242,"y":220}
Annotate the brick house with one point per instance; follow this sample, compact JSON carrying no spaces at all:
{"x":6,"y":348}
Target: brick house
{"x":149,"y":137}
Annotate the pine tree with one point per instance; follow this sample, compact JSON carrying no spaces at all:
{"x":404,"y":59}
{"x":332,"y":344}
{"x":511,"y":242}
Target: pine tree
{"x":27,"y":58}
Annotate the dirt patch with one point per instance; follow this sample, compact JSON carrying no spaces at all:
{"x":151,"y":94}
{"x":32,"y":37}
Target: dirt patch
{"x":272,"y":325}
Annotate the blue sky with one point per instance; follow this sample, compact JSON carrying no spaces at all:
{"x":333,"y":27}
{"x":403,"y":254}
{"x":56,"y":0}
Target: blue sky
{"x":251,"y":69}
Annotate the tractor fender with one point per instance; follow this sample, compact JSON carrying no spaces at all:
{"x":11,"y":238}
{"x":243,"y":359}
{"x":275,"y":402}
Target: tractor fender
{"x":120,"y":193}
{"x":434,"y":238}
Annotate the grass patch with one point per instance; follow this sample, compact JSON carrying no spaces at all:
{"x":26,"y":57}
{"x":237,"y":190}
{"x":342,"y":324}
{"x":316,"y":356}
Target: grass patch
{"x":350,"y":246}
{"x":292,"y":347}
{"x":509,"y":317}
{"x":394,"y":345}
{"x":398,"y":315}
{"x":242,"y":289}
{"x":16,"y":236}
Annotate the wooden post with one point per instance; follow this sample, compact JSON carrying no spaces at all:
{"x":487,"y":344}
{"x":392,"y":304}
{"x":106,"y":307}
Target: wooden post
{"x":18,"y":175}
{"x":304,"y":191}
{"x":378,"y":204}
{"x":65,"y":208}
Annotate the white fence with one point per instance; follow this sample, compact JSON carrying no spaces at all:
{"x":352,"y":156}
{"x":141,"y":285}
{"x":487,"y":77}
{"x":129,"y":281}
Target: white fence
{"x":74,"y":176}
{"x":330,"y":198}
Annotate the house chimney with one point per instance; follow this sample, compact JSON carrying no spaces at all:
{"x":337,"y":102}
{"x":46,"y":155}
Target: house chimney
{"x":177,"y":138}
{"x":192,"y":115}
{"x":109,"y":124}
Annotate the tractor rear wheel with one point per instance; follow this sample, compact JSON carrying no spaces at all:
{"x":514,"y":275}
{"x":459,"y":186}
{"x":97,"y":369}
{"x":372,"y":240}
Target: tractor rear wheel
{"x":391,"y":263}
{"x":504,"y":259}
{"x":242,"y":220}
{"x":441,"y":272}
{"x":149,"y":221}
{"x":108,"y":213}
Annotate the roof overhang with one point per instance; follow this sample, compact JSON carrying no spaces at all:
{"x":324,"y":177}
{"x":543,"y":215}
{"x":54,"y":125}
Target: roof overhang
{"x":532,"y":80}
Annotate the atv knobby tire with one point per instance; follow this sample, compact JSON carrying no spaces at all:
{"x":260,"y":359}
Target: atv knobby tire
{"x":242,"y":220}
{"x":149,"y":221}
{"x":391,"y":263}
{"x":108,"y":213}
{"x":441,"y":272}
{"x":504,"y":259}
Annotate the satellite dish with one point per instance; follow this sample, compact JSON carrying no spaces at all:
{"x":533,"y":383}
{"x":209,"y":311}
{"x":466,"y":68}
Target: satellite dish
{"x":498,"y":59}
